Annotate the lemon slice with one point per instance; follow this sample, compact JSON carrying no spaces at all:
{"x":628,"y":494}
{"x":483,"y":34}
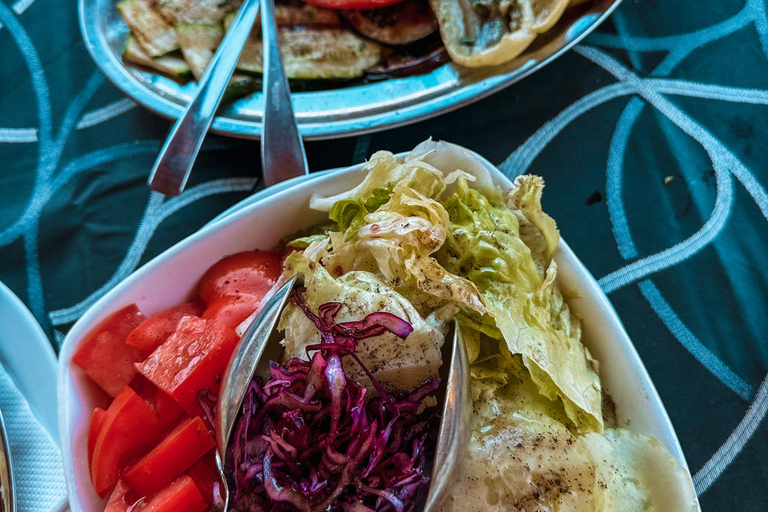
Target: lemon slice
{"x":491,"y":32}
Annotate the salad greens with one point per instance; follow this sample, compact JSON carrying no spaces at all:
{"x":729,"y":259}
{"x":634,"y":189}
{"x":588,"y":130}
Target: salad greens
{"x":441,"y":242}
{"x":428,"y":238}
{"x":484,"y":245}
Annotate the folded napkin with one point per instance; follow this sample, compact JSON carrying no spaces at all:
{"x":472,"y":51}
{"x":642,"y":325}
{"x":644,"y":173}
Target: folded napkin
{"x":37,"y":467}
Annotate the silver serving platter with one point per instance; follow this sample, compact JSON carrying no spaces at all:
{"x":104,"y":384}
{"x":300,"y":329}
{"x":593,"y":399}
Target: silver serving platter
{"x":327,"y":114}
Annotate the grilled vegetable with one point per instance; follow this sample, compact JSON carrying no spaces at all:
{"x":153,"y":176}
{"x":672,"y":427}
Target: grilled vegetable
{"x":198,"y":43}
{"x":399,"y":64}
{"x":300,"y":15}
{"x":155,"y":36}
{"x":399,"y":24}
{"x":172,"y":65}
{"x":241,"y":85}
{"x":491,"y":32}
{"x":316,"y":54}
{"x":186,"y":12}
{"x":352,"y":4}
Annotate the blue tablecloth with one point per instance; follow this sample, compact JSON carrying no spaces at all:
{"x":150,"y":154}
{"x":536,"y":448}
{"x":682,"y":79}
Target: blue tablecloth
{"x":651,"y":137}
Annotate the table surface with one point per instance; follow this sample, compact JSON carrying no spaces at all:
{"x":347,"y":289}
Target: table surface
{"x":648,"y":136}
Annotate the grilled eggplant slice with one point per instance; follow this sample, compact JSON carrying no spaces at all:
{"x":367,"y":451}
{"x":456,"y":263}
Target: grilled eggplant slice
{"x":151,"y":30}
{"x":198,"y":43}
{"x":172,"y":65}
{"x":303,"y":15}
{"x":400,"y":24}
{"x":400,"y":63}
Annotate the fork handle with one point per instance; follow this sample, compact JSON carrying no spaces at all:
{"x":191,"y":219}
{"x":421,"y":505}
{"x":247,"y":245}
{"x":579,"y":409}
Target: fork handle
{"x":282,"y":150}
{"x":174,"y":163}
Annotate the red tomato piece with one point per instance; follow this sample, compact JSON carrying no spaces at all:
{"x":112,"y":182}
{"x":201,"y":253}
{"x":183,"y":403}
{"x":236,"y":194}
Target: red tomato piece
{"x":357,"y":5}
{"x":104,"y":355}
{"x":156,"y":329}
{"x":128,"y":429}
{"x":233,"y":310}
{"x":181,"y":448}
{"x":191,"y":359}
{"x":244,"y":273}
{"x":119,"y":501}
{"x":205,"y":474}
{"x":97,"y":418}
{"x":164,"y":406}
{"x":181,"y":496}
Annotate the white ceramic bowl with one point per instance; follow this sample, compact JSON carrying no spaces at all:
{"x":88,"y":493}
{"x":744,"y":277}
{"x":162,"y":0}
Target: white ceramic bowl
{"x":260,"y":222}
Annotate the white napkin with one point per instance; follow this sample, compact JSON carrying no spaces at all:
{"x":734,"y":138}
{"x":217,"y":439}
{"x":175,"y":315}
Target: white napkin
{"x":37,"y":467}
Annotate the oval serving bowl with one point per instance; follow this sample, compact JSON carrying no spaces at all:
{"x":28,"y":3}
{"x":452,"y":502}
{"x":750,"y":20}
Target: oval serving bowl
{"x":260,"y":222}
{"x":327,"y":114}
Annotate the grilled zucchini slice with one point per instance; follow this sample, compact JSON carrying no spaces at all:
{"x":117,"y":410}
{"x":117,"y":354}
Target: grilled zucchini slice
{"x":312,"y":54}
{"x":155,"y":36}
{"x":172,"y":65}
{"x":187,"y":12}
{"x":241,"y":85}
{"x":198,"y":43}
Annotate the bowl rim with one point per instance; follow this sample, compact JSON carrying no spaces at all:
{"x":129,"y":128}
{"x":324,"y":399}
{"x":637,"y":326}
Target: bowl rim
{"x":250,"y":206}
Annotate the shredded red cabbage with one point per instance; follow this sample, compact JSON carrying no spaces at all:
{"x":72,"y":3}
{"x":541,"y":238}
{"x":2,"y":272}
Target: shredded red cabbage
{"x":309,"y":439}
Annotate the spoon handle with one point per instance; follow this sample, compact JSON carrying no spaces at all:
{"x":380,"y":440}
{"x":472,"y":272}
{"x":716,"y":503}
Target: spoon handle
{"x":174,"y":163}
{"x":282,"y":150}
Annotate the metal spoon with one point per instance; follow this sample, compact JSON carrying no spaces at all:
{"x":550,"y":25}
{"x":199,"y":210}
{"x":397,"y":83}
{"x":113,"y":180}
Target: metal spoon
{"x":177,"y":156}
{"x":455,"y":420}
{"x":261,"y":344}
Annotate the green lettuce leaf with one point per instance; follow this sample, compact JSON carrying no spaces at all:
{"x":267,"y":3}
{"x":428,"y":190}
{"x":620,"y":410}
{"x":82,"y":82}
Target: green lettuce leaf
{"x":304,"y":238}
{"x":537,"y":229}
{"x":382,"y":168}
{"x":349,"y":214}
{"x":397,"y":240}
{"x":483,"y":244}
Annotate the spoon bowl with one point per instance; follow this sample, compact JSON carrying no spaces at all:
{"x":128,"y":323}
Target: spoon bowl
{"x":261,"y":344}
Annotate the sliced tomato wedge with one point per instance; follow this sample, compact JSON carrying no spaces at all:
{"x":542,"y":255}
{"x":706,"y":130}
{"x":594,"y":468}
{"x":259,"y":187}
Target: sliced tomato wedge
{"x":128,"y":430}
{"x":181,"y":496}
{"x":164,"y":406}
{"x":233,"y":310}
{"x":193,"y":358}
{"x":119,"y":501}
{"x":181,"y":448}
{"x":97,"y":418}
{"x":357,"y":5}
{"x":104,"y":355}
{"x":155,"y":330}
{"x":244,"y":273}
{"x":205,"y":474}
